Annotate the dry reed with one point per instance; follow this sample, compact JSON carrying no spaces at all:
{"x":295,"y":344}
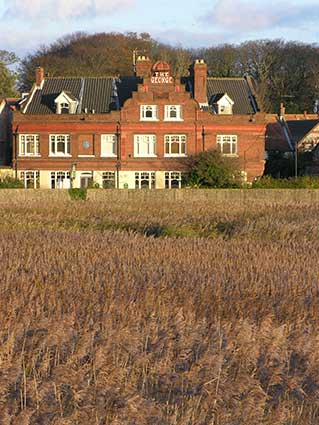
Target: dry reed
{"x":212,"y":320}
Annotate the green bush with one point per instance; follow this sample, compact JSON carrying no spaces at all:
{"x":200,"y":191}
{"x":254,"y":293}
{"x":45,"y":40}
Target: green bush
{"x":11,"y":183}
{"x":305,"y":182}
{"x":210,"y":169}
{"x":78,"y":194}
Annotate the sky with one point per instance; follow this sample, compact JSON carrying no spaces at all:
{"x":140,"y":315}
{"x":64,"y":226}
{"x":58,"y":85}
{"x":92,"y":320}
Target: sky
{"x":28,"y":24}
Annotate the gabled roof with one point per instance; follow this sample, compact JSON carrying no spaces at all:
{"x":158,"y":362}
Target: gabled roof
{"x":237,"y":89}
{"x":277,"y":140}
{"x":219,"y":96}
{"x":298,"y":129}
{"x":64,"y":93}
{"x":101,"y":94}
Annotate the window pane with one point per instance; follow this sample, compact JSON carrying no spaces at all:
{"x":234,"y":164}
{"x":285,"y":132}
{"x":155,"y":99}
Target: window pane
{"x":175,"y":184}
{"x":173,"y":112}
{"x":175,"y":148}
{"x":227,"y":148}
{"x":60,"y":147}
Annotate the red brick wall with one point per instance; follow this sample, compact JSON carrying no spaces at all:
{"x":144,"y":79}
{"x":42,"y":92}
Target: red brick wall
{"x":249,"y":130}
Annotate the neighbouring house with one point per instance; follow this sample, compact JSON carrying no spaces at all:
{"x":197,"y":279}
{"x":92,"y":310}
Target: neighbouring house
{"x":134,"y":132}
{"x":292,"y":144}
{"x":5,"y":133}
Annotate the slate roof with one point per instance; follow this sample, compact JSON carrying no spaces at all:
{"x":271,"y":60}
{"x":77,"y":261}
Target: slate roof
{"x":94,"y":93}
{"x":298,"y":129}
{"x":276,"y":139}
{"x":237,"y":89}
{"x":216,"y":97}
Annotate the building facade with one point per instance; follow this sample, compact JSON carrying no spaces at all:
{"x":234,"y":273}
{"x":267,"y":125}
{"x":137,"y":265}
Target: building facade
{"x":134,"y":132}
{"x":5,"y":133}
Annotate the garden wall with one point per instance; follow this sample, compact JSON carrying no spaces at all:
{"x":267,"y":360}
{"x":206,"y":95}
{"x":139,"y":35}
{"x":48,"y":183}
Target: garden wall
{"x":191,"y":195}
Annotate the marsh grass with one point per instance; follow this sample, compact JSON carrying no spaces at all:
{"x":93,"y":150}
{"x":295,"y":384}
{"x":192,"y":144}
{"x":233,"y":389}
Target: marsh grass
{"x":159,"y":314}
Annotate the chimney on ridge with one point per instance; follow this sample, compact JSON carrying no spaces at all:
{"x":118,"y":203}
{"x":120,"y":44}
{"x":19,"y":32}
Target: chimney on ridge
{"x":282,"y":110}
{"x":39,"y":76}
{"x":200,"y":81}
{"x":143,"y":66}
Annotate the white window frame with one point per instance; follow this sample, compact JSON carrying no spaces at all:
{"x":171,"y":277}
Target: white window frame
{"x":169,"y":140}
{"x":144,"y":109}
{"x":25,"y":140}
{"x":171,"y":176}
{"x":142,"y":141}
{"x":229,"y":139}
{"x":108,"y":176}
{"x":60,"y":176}
{"x":108,"y":140}
{"x":169,"y":108}
{"x":53,"y":139}
{"x":141,"y":176}
{"x":25,"y":177}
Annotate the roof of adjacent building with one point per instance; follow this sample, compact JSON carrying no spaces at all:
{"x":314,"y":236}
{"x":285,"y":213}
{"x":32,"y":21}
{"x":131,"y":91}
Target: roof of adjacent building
{"x":283,"y":134}
{"x":237,"y":89}
{"x":98,"y":94}
{"x":276,"y":139}
{"x":298,"y":129}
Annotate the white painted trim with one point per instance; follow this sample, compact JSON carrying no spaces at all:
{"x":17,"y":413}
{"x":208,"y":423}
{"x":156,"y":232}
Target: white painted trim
{"x":2,"y":105}
{"x":34,"y":89}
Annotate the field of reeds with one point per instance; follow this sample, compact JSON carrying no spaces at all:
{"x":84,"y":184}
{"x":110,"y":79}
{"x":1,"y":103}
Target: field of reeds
{"x":159,"y":314}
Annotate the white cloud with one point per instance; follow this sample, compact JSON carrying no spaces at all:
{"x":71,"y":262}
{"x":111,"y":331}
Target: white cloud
{"x":240,"y":14}
{"x":248,"y":16}
{"x":59,"y":9}
{"x":195,"y":39}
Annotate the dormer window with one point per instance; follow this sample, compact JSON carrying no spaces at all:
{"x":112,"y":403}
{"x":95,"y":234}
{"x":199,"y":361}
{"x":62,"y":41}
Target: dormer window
{"x":149,"y":113}
{"x":66,"y":103}
{"x":222,"y":104}
{"x":173,"y":113}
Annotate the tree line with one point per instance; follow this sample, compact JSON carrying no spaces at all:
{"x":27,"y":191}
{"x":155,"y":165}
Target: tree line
{"x":284,"y":71}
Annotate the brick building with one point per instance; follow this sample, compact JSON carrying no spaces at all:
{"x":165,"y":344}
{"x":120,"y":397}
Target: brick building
{"x":134,"y":132}
{"x":5,"y":132}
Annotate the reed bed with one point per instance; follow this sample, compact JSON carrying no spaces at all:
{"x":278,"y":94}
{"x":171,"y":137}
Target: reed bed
{"x":175,"y":314}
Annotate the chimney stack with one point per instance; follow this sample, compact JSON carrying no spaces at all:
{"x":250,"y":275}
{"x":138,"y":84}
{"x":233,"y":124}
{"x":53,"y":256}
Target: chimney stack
{"x":143,"y":66}
{"x":200,"y":81}
{"x":39,"y":76}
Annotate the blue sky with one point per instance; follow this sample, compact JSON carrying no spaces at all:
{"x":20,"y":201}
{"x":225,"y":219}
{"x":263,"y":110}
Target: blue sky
{"x":26,"y":24}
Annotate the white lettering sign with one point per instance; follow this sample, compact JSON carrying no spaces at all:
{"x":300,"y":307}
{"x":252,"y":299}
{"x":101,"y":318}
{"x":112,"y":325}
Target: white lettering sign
{"x":162,"y":78}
